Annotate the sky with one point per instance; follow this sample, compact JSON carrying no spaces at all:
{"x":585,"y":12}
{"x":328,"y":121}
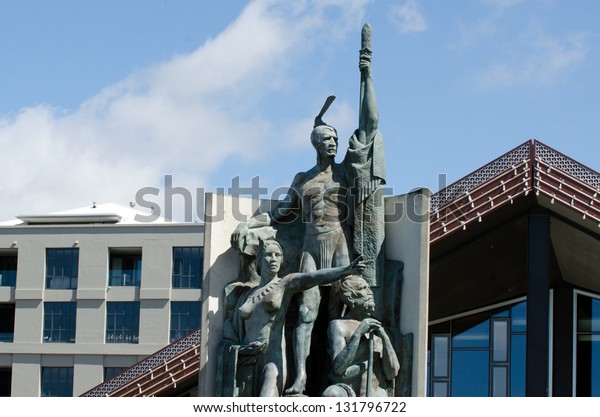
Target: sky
{"x":123,"y":100}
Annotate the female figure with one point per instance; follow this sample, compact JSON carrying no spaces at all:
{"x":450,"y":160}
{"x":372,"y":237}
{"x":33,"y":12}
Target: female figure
{"x":266,"y":307}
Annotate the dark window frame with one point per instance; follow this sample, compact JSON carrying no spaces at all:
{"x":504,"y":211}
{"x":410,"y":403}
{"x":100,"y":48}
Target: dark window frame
{"x":131,"y":269}
{"x":62,"y":268}
{"x":56,"y":381}
{"x":187,"y":267}
{"x":60,"y":321}
{"x":185,"y":318}
{"x":122,"y":322}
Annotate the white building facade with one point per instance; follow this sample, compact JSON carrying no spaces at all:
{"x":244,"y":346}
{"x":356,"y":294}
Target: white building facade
{"x":86,"y":293}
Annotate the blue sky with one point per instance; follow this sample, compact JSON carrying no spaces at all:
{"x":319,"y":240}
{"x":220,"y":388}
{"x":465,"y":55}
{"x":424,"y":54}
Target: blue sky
{"x":99,"y":99}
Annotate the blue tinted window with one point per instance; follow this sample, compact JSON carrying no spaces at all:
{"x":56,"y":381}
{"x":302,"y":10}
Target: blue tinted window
{"x":57,"y":382}
{"x":62,"y":267}
{"x":125,"y":270}
{"x":59,"y":322}
{"x":122,"y":322}
{"x":111,"y":372}
{"x":187,"y":267}
{"x":8,"y":270}
{"x":185,"y":318}
{"x":518,"y":315}
{"x":486,"y":356}
{"x":471,"y":332}
{"x":517,"y":365}
{"x":499,"y":381}
{"x":588,"y":347}
{"x":470,"y":373}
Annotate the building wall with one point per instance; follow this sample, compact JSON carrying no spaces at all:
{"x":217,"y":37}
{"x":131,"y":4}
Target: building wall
{"x":89,"y":354}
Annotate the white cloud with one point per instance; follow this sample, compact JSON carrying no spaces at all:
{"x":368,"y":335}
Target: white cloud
{"x":541,"y":60}
{"x":184,"y":117}
{"x":408,"y":17}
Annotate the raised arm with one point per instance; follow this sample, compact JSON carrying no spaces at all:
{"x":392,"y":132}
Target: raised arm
{"x":368,"y":111}
{"x":302,"y":281}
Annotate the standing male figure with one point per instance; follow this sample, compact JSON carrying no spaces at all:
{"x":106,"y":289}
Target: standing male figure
{"x":319,"y":197}
{"x":328,"y":209}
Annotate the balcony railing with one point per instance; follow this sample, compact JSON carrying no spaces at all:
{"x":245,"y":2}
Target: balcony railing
{"x":8,"y":277}
{"x":6,"y":337}
{"x":125,"y":277}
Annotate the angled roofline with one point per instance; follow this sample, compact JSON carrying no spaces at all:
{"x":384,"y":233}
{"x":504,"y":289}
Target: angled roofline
{"x":529,"y":167}
{"x":175,"y":363}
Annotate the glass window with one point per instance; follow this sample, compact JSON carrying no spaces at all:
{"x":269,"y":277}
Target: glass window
{"x":187,"y":267}
{"x":440,"y":356}
{"x":59,"y":322}
{"x":471,"y":332}
{"x":517,"y":364}
{"x":588,"y":347}
{"x":57,"y":382}
{"x":122,"y":322}
{"x":185,"y":318}
{"x":518,"y":314}
{"x":499,"y":381}
{"x":440,"y":389}
{"x":112,"y":371}
{"x":470,"y":373}
{"x":5,"y":381}
{"x":500,"y":340}
{"x":8,"y":270}
{"x":62,"y":266}
{"x":7,"y":322}
{"x":125,"y":269}
{"x":483,"y":354}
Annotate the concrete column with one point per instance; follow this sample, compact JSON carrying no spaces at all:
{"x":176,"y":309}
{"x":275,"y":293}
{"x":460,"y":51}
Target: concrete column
{"x":26,"y":375}
{"x":407,"y":240}
{"x":221,"y":266}
{"x":154,"y":322}
{"x":87,"y":373}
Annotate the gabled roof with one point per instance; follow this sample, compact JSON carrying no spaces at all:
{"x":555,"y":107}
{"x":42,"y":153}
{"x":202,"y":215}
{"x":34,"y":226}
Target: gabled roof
{"x":164,"y":371}
{"x":530,"y":169}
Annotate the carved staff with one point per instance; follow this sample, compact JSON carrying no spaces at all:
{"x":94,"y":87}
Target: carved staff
{"x":365,"y":53}
{"x":370,"y":366}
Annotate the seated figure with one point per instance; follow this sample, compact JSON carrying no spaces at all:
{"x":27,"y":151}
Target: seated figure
{"x":355,"y":338}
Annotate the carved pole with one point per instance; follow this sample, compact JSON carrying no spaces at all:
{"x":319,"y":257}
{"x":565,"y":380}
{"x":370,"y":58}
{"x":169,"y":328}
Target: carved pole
{"x":365,"y":54}
{"x":370,"y":366}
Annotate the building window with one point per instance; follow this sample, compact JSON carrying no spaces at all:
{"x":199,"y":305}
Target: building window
{"x":112,"y":371}
{"x":62,"y":266}
{"x":187,"y":267}
{"x":59,"y":322}
{"x":479,"y":355}
{"x":588,"y":346}
{"x":57,"y":382}
{"x":8,"y":269}
{"x":125,"y":268}
{"x":5,"y":381}
{"x":7,"y":322}
{"x":185,"y":318}
{"x":122,"y":322}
